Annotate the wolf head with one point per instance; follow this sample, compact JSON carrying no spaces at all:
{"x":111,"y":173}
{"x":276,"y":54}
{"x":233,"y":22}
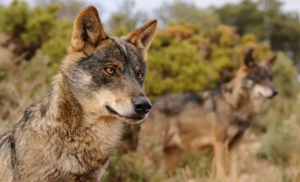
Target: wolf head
{"x":259,"y":77}
{"x":106,"y":74}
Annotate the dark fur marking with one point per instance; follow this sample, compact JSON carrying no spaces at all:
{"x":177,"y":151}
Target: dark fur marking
{"x":44,"y":108}
{"x":81,"y":62}
{"x":13,"y":151}
{"x":27,"y":115}
{"x":126,"y":57}
{"x":103,"y":161}
{"x":242,"y":123}
{"x":6,"y":138}
{"x":86,"y":176}
{"x":121,"y":50}
{"x":236,"y":139}
{"x":79,"y":161}
{"x":194,"y":97}
{"x":179,"y":100}
{"x":216,"y":91}
{"x":214,"y":103}
{"x":169,"y":112}
{"x":67,"y":108}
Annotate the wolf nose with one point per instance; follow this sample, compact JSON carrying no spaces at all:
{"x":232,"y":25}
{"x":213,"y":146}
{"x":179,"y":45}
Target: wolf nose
{"x":142,"y":105}
{"x":275,"y":92}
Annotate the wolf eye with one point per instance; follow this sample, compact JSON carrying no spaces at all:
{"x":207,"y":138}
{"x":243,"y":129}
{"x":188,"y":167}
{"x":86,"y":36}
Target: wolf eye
{"x":140,"y":75}
{"x":110,"y":70}
{"x":261,"y":77}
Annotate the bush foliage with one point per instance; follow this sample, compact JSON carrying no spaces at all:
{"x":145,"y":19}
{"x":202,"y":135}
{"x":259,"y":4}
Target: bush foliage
{"x":28,"y":28}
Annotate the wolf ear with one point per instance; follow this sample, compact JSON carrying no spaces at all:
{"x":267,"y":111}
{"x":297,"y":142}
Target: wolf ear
{"x":143,"y":37}
{"x":272,"y":61}
{"x":249,"y":61}
{"x":87,"y":31}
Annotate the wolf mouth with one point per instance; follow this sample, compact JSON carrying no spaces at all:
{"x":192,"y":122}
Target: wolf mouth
{"x":112,"y":111}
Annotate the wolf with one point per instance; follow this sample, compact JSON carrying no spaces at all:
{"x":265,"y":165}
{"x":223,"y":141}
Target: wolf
{"x":216,"y":118}
{"x":71,"y":133}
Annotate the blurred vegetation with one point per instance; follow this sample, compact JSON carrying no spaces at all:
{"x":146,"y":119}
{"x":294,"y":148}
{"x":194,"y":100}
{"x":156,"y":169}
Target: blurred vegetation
{"x":267,"y":22}
{"x":194,"y":49}
{"x":125,"y":19}
{"x":182,"y":11}
{"x":27,"y":28}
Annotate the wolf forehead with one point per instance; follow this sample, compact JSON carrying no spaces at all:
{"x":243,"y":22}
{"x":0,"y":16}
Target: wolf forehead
{"x":261,"y":71}
{"x":115,"y":51}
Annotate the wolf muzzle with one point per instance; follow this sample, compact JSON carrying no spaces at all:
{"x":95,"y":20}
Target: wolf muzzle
{"x":274,"y":93}
{"x":142,"y":105}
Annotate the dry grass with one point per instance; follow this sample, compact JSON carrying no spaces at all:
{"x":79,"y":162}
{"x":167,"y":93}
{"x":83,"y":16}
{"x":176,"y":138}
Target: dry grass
{"x":16,"y":93}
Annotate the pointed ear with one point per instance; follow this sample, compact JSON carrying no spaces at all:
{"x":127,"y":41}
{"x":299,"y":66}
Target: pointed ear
{"x":249,"y":61}
{"x":87,"y":31}
{"x":272,"y":61}
{"x":143,"y":37}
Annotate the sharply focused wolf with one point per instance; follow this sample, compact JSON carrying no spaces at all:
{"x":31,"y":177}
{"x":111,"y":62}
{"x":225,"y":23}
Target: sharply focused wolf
{"x":215,"y":118}
{"x":70,"y":134}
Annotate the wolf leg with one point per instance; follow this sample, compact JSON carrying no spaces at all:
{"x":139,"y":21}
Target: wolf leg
{"x":233,"y":154}
{"x":219,"y":159}
{"x":234,"y":166}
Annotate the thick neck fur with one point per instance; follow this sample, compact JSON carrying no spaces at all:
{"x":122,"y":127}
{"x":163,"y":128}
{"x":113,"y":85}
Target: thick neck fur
{"x":62,"y":118}
{"x":238,"y":98}
{"x":61,"y":106}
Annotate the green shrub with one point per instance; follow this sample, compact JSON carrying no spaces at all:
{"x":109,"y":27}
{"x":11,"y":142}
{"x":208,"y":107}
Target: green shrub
{"x":28,"y":28}
{"x":56,"y":47}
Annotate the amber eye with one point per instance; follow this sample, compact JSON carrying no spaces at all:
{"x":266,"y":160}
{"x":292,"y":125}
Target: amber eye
{"x":110,"y":70}
{"x":140,"y":75}
{"x":261,"y":77}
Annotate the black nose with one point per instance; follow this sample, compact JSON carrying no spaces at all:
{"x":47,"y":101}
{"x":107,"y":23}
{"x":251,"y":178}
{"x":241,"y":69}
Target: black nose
{"x":142,"y":105}
{"x":275,"y":92}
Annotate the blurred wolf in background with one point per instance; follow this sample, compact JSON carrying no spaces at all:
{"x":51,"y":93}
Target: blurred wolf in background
{"x":215,"y":118}
{"x":70,"y":134}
